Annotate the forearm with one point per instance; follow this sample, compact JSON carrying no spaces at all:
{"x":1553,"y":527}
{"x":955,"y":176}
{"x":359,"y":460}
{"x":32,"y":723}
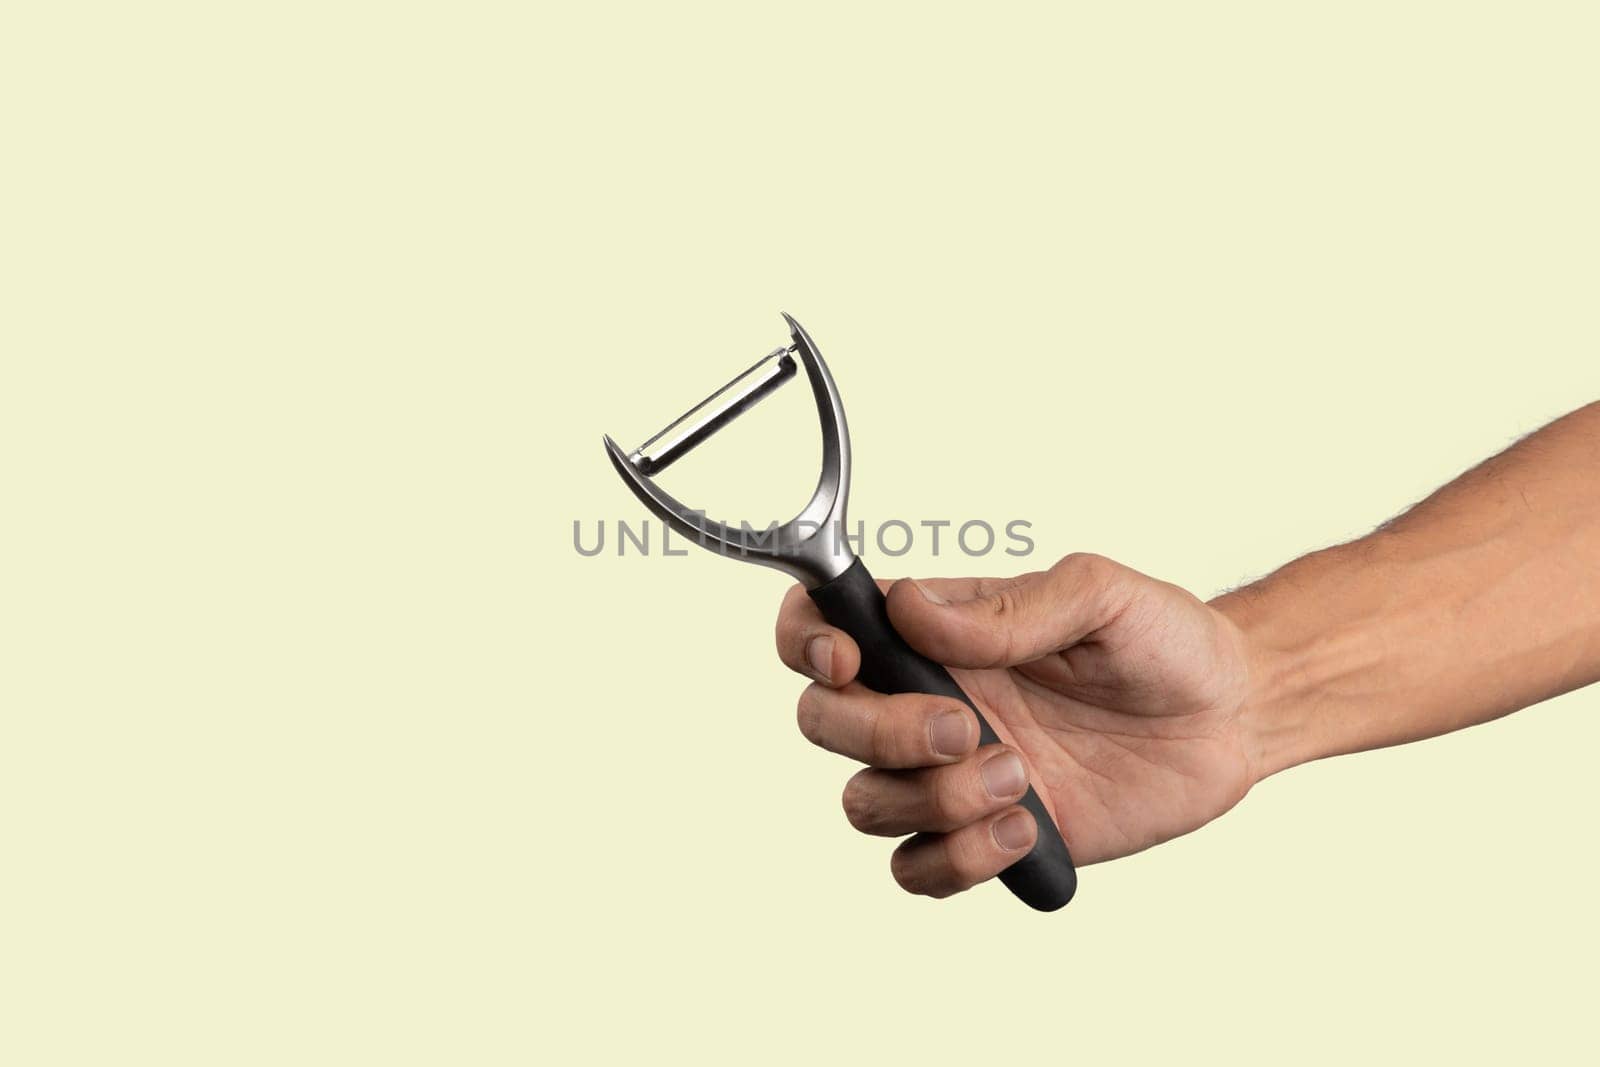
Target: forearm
{"x":1483,"y":599}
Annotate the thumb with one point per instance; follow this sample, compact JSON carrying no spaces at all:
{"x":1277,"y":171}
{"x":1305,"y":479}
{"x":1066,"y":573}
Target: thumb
{"x":1003,"y":622}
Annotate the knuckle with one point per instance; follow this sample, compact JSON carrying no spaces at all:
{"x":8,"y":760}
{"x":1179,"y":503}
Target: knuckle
{"x":1102,"y":584}
{"x":1002,"y":602}
{"x":966,"y":865}
{"x":949,"y":880}
{"x":1087,"y":568}
{"x":881,"y":740}
{"x":1081,"y":561}
{"x":1007,"y":616}
{"x":945,"y":805}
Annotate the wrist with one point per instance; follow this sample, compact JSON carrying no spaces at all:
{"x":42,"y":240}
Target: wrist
{"x":1310,"y":641}
{"x":1275,"y":719}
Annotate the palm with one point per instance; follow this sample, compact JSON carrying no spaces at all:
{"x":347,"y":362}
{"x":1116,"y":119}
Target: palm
{"x":1131,"y":735}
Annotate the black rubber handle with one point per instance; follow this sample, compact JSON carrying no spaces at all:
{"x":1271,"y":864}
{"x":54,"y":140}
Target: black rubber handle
{"x":1044,"y":878}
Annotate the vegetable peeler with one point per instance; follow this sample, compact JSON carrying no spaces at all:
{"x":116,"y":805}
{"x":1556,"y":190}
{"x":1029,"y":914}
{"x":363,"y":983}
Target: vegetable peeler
{"x":812,"y":548}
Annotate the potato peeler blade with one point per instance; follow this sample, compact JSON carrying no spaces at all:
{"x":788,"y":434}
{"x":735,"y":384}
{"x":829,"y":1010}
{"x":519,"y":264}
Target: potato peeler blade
{"x":811,"y":546}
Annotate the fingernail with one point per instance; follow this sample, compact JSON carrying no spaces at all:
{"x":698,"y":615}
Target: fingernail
{"x":1013,"y":831}
{"x":819,"y":653}
{"x":949,"y":733}
{"x":1003,"y":776}
{"x":928,"y":594}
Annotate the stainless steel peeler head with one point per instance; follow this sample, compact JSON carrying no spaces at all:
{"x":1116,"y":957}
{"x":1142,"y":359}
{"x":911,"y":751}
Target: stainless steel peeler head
{"x":811,"y":546}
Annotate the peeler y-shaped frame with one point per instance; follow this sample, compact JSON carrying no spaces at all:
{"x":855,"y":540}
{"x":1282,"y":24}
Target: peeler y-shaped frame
{"x":812,"y":548}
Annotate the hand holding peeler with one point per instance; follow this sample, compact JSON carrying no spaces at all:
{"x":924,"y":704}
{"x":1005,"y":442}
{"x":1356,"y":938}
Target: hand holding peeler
{"x":812,"y":548}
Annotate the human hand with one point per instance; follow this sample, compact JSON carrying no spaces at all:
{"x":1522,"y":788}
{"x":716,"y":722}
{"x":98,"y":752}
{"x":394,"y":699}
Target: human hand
{"x":1118,"y":696}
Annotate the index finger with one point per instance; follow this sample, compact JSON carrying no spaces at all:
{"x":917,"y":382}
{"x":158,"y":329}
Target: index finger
{"x":809,"y":646}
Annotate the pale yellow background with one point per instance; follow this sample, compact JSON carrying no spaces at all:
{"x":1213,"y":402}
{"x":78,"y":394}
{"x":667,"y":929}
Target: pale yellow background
{"x":321,"y":745}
